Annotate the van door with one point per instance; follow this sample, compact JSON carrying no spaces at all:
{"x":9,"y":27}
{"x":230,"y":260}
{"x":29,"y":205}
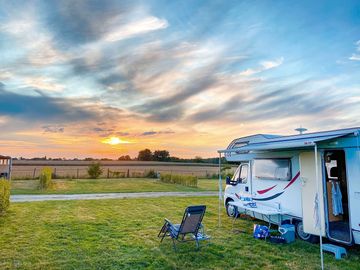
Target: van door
{"x":244,"y":180}
{"x":309,"y":189}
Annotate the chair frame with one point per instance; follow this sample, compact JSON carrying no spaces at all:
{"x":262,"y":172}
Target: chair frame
{"x":175,"y":231}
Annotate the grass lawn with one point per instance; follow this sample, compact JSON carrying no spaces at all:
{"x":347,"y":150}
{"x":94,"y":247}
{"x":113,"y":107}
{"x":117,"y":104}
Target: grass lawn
{"x":122,"y":234}
{"x":107,"y":185}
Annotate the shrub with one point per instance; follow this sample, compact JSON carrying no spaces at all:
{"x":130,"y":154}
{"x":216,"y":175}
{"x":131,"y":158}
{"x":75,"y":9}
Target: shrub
{"x":45,"y":178}
{"x":184,"y":180}
{"x":94,"y":170}
{"x":151,"y":174}
{"x":4,"y":195}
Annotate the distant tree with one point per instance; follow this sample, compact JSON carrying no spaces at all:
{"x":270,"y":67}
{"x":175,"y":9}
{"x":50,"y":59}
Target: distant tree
{"x":88,"y":159}
{"x":175,"y":159}
{"x":198,"y":159}
{"x":106,"y":159}
{"x":127,"y":157}
{"x":161,"y":155}
{"x":94,"y":170}
{"x":145,"y":155}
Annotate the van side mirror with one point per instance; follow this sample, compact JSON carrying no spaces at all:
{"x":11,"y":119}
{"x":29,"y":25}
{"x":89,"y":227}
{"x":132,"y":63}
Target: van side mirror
{"x":228,"y":180}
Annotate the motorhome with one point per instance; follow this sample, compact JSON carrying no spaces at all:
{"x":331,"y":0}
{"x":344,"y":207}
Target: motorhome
{"x":5,"y":167}
{"x":302,"y":175}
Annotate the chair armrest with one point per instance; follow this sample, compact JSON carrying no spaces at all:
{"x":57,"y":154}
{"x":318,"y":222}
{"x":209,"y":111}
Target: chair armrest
{"x":168,"y":221}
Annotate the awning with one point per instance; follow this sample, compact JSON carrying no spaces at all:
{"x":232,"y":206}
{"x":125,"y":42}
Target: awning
{"x":285,"y":143}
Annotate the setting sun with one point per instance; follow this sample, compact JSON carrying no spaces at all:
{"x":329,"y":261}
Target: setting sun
{"x":114,"y":141}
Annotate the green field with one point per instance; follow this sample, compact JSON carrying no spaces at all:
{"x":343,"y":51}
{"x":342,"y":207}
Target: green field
{"x":81,"y":186}
{"x":122,"y":234}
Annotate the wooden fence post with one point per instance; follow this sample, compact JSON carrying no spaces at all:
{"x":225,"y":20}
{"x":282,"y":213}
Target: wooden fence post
{"x":108,"y":173}
{"x":77,"y":173}
{"x":34,"y":173}
{"x":128,"y":173}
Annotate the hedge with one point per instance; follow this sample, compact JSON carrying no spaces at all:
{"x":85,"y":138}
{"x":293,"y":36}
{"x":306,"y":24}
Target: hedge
{"x":45,"y":178}
{"x":4,"y":195}
{"x":184,"y":180}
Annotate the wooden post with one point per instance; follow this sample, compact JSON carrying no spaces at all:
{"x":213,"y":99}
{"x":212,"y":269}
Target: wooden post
{"x":34,"y":173}
{"x":55,"y":173}
{"x":77,"y":173}
{"x":128,"y":173}
{"x":108,"y":173}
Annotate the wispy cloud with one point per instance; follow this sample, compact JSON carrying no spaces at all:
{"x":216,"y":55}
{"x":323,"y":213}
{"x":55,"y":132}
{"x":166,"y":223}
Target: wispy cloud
{"x":264,"y":65}
{"x":136,"y":28}
{"x":356,"y":56}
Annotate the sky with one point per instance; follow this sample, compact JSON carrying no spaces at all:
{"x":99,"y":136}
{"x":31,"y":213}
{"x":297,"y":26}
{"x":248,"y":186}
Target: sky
{"x":109,"y":78}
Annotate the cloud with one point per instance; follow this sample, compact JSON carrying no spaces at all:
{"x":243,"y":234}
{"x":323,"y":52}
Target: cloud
{"x":356,"y":56}
{"x":148,"y":133}
{"x":136,"y":28}
{"x":44,"y":83}
{"x":151,"y":133}
{"x":80,"y":22}
{"x":53,"y":129}
{"x":42,"y":108}
{"x":264,"y":65}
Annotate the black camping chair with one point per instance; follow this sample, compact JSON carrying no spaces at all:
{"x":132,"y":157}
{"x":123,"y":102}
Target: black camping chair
{"x":190,"y":225}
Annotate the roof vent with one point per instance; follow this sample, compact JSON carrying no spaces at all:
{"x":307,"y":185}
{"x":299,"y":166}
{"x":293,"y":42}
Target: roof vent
{"x":301,"y":130}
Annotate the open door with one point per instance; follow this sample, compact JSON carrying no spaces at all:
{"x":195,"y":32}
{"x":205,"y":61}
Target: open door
{"x":308,"y":193}
{"x":338,"y":222}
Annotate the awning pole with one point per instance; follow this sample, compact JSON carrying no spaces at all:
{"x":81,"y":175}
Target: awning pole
{"x":318,"y":209}
{"x":220,"y":190}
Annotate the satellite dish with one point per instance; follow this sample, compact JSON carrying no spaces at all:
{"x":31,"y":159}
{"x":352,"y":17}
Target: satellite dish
{"x":301,"y":130}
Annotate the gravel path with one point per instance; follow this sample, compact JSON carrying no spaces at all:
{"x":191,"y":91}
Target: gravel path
{"x":100,"y":196}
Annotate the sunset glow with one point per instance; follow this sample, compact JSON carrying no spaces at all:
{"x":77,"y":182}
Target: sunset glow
{"x":114,"y":141}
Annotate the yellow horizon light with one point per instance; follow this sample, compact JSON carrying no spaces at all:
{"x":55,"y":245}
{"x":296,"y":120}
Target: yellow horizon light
{"x":114,"y":141}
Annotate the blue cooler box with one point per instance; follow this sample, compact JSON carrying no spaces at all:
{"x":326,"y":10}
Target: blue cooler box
{"x":288,"y":232}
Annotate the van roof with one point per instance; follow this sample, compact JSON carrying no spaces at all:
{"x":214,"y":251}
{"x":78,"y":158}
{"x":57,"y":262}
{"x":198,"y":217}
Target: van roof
{"x":299,"y":140}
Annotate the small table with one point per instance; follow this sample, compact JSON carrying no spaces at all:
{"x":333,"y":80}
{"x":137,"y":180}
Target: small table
{"x":264,"y":210}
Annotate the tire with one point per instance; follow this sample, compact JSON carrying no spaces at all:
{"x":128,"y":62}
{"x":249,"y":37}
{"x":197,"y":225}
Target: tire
{"x":231,"y":210}
{"x":314,"y":239}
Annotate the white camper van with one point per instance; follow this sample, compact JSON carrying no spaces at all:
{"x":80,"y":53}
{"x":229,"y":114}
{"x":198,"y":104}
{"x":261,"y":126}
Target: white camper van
{"x":5,"y":167}
{"x":303,"y":175}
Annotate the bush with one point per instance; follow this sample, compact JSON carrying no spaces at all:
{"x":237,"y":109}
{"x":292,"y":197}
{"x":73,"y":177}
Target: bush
{"x":4,"y":195}
{"x":151,"y":174}
{"x":45,"y":178}
{"x":94,"y":170}
{"x":184,"y":180}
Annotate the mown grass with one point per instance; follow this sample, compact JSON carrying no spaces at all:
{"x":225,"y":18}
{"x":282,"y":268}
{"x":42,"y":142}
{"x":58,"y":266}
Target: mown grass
{"x":122,"y":234}
{"x":81,"y":186}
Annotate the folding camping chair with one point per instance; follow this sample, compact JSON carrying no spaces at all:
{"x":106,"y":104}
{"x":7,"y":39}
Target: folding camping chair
{"x":190,"y":225}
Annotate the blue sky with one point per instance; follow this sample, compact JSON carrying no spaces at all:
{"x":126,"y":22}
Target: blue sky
{"x":187,"y":76}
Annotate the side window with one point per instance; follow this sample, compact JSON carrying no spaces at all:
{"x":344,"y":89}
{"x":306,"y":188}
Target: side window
{"x":244,"y":169}
{"x":272,"y":169}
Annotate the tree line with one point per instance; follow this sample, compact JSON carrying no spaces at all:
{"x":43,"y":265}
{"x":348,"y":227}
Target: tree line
{"x":143,"y":155}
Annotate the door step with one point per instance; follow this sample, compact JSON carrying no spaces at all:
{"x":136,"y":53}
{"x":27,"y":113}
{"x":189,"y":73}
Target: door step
{"x":337,"y":250}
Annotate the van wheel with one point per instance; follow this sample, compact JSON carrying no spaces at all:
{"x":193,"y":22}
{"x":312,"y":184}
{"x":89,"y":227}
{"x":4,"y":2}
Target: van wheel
{"x":231,"y":210}
{"x":314,"y":239}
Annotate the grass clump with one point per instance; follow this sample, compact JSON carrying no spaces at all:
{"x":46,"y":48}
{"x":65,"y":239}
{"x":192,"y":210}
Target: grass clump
{"x":95,"y":170}
{"x":184,"y":180}
{"x":4,"y":195}
{"x":45,"y":178}
{"x":151,"y":174}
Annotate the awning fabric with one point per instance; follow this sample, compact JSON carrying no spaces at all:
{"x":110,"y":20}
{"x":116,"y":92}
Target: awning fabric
{"x":285,"y":143}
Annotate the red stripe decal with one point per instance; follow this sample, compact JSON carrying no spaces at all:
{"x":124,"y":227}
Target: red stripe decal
{"x":292,"y":180}
{"x":265,"y":190}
